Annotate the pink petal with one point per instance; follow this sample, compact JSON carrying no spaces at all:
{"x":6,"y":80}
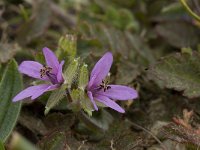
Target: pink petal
{"x":92,"y":100}
{"x":59,"y":75}
{"x":31,"y":91}
{"x":108,"y":102}
{"x":101,"y":70}
{"x":42,"y":91}
{"x":32,"y":69}
{"x":119,"y":92}
{"x":51,"y":60}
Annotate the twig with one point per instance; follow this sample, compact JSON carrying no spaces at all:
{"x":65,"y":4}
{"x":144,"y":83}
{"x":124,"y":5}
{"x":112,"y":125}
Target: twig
{"x":80,"y":147}
{"x":138,"y":126}
{"x":193,"y":14}
{"x":111,"y":145}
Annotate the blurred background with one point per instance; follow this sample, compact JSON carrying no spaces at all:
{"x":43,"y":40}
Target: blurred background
{"x":138,"y":33}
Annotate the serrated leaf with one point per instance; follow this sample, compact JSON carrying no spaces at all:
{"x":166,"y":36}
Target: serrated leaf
{"x":83,"y":77}
{"x":179,"y":71}
{"x":55,"y":98}
{"x":10,"y":85}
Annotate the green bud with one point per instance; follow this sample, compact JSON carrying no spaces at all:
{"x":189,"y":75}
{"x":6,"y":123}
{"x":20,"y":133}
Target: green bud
{"x":71,"y":72}
{"x":67,"y":46}
{"x":83,"y":77}
{"x":87,"y":105}
{"x":55,"y":98}
{"x":76,"y":96}
{"x":80,"y":101}
{"x":186,"y":50}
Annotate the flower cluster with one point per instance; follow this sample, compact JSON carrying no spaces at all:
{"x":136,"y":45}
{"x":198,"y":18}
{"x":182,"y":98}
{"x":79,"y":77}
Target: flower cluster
{"x":97,"y":88}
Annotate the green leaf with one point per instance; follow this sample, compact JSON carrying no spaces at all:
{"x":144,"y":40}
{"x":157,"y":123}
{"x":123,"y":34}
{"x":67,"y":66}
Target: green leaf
{"x":179,"y":34}
{"x":127,"y":20}
{"x":1,"y":71}
{"x":75,"y":96}
{"x":67,"y":47}
{"x":37,"y":23}
{"x":99,"y":121}
{"x":172,"y":8}
{"x":10,"y":85}
{"x":71,"y":72}
{"x":1,"y":146}
{"x":80,"y":101}
{"x":83,"y":77}
{"x":55,"y":98}
{"x":58,"y":121}
{"x":127,"y":72}
{"x":186,"y":50}
{"x":7,"y":51}
{"x":179,"y":71}
{"x":54,"y":141}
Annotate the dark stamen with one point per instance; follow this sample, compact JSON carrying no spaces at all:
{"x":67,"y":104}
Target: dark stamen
{"x":44,"y":71}
{"x":104,"y":85}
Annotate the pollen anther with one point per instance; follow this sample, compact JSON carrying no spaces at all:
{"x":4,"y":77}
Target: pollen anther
{"x":44,"y":71}
{"x":104,"y":85}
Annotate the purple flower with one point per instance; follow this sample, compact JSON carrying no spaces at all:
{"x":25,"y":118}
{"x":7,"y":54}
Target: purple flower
{"x":51,"y":72}
{"x":99,"y":90}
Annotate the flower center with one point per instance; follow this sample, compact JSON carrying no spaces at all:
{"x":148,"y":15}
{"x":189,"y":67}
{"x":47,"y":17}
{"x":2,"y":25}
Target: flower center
{"x":45,"y":71}
{"x":104,"y":85}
